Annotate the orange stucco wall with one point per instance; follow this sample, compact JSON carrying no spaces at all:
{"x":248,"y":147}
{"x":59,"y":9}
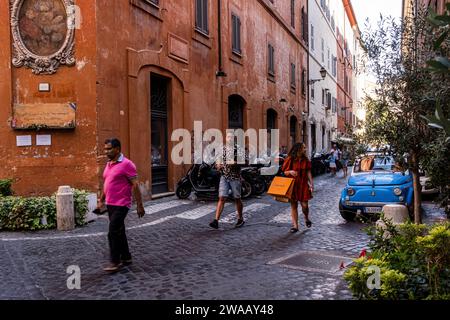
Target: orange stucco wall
{"x":72,"y":157}
{"x":119,"y":45}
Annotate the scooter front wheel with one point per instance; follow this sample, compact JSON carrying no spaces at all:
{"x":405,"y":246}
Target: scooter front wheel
{"x":184,"y":190}
{"x":246,"y":189}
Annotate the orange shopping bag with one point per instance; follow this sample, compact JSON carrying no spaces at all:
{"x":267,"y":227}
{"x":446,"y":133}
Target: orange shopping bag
{"x":281,"y":188}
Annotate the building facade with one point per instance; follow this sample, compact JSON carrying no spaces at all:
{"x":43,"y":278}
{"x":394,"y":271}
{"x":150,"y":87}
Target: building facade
{"x":409,"y":7}
{"x":138,"y":70}
{"x":334,"y":45}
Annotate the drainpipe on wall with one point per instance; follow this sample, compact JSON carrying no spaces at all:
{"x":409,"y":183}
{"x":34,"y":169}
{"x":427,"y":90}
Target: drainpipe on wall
{"x":220,"y":72}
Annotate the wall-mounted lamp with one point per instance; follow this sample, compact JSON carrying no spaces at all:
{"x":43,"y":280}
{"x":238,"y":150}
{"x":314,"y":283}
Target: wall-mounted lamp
{"x":323,"y":74}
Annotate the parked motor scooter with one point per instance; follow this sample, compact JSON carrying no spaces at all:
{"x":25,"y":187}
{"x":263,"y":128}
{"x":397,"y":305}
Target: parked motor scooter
{"x":204,"y":180}
{"x":253,"y":176}
{"x":320,"y":163}
{"x":272,"y":170}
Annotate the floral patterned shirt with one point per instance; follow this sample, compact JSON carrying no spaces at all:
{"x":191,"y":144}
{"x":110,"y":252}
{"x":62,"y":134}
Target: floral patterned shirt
{"x":232,"y":171}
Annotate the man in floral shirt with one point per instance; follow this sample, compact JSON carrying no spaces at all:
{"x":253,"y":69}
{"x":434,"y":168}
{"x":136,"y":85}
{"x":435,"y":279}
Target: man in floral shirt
{"x":230,"y":179}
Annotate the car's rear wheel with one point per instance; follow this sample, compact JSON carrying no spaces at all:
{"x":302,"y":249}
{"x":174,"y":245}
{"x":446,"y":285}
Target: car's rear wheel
{"x":346,"y":214}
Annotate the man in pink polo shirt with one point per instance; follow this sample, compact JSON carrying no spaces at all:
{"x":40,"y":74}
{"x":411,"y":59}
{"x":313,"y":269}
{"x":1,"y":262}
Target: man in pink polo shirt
{"x":120,"y":177}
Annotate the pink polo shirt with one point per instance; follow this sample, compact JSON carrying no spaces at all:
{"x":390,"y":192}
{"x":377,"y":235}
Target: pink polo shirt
{"x":117,"y":186}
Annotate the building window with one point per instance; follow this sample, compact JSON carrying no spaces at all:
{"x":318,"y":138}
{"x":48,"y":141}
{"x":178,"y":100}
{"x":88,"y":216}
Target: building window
{"x":323,"y":50}
{"x":328,"y":106}
{"x":323,"y":96}
{"x":334,"y":66}
{"x":304,"y":23}
{"x":333,"y":105}
{"x":293,"y":85}
{"x":201,"y":16}
{"x":271,"y":60}
{"x":293,"y":13}
{"x":328,"y":59}
{"x":236,"y":34}
{"x":332,"y":22}
{"x":313,"y":93}
{"x":303,"y":82}
{"x":312,"y":37}
{"x":345,"y":82}
{"x":434,"y":5}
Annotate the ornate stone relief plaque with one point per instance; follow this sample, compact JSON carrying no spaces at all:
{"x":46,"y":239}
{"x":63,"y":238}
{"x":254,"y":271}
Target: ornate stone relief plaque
{"x":43,"y":34}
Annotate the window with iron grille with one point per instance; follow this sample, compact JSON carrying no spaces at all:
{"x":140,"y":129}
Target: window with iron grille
{"x":293,"y":84}
{"x":201,"y":16}
{"x":236,"y":34}
{"x":271,"y":60}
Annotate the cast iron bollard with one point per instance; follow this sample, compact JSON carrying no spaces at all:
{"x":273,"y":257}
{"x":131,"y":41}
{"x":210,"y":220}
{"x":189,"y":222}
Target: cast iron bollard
{"x":65,"y":209}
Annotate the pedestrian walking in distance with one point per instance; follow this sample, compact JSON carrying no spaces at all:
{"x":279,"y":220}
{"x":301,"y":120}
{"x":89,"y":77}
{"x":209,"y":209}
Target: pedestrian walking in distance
{"x":230,"y":179}
{"x":120,"y":181}
{"x":298,"y":166}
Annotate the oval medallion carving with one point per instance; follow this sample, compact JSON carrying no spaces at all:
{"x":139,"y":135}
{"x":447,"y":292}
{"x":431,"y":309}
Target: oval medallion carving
{"x":43,"y":26}
{"x":42,"y":34}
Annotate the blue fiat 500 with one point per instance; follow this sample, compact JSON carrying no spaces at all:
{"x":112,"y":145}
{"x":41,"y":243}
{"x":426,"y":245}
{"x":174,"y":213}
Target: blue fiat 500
{"x":376,"y":180}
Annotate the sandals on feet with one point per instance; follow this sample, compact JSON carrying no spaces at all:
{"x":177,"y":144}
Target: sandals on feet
{"x":293,"y":230}
{"x":308,"y":223}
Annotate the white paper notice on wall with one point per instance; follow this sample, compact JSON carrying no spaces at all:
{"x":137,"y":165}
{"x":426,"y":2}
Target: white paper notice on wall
{"x":23,"y":141}
{"x":43,"y":140}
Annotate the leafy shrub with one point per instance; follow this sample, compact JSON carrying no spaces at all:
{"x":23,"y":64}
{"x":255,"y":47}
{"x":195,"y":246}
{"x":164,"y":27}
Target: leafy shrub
{"x":5,"y":187}
{"x":81,"y":206}
{"x":36,"y":213}
{"x":414,"y":262}
{"x":17,"y":213}
{"x":392,"y":281}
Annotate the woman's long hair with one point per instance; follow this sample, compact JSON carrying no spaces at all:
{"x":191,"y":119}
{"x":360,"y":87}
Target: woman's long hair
{"x":295,"y":149}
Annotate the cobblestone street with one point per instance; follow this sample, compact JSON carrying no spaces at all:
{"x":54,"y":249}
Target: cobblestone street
{"x":176,"y":255}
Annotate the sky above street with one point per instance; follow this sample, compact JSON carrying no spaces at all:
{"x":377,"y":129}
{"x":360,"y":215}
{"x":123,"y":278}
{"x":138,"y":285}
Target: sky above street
{"x":372,"y":8}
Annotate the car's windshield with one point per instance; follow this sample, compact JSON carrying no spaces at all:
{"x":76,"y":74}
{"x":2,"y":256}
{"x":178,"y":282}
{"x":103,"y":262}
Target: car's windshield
{"x":376,"y":163}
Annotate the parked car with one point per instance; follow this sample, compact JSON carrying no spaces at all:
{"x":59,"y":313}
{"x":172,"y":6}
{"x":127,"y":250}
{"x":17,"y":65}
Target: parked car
{"x":375,"y":181}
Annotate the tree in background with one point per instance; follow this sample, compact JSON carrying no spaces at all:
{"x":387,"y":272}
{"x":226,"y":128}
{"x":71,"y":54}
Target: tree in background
{"x":397,"y":53}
